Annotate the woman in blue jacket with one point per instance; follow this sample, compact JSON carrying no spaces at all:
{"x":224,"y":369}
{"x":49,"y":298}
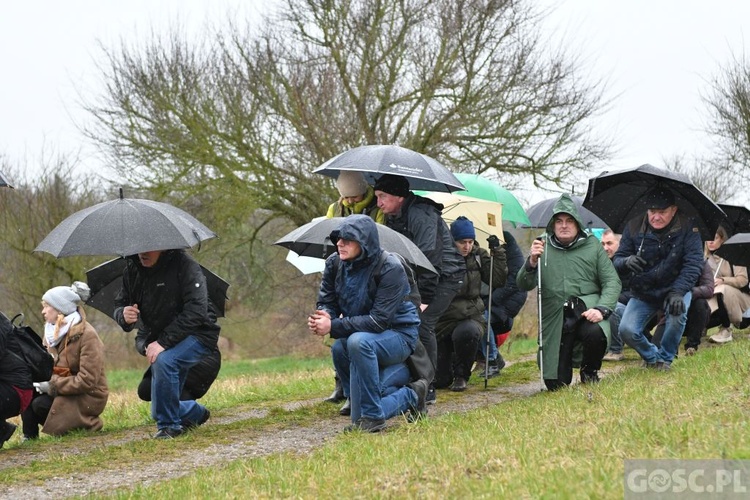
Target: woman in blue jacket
{"x":364,"y":304}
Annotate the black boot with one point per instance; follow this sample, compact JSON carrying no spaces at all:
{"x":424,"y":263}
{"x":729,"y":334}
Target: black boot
{"x":347,"y":408}
{"x":337,"y":395}
{"x":6,"y":431}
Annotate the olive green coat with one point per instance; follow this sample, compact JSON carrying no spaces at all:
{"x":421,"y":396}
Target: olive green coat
{"x":582,"y":270}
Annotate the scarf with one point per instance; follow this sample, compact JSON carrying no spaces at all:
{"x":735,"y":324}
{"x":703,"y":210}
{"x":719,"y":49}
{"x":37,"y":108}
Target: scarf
{"x":53,"y":338}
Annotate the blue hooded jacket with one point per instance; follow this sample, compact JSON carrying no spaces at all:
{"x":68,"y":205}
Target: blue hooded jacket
{"x":350,"y":290}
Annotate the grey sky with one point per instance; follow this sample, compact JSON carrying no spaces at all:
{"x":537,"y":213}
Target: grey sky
{"x":655,"y":55}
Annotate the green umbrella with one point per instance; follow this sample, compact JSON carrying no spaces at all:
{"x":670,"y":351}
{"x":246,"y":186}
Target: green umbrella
{"x":485,"y":189}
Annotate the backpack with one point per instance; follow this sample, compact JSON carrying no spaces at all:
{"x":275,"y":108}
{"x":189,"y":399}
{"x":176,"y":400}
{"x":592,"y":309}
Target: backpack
{"x":30,"y":348}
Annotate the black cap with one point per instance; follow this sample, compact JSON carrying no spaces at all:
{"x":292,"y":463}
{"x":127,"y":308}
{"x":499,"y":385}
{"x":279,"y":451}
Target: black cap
{"x":659,"y":198}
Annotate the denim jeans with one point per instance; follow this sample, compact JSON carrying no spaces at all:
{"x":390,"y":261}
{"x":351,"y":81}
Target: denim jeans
{"x":373,"y":374}
{"x":633,"y":324}
{"x":615,"y":342}
{"x":493,"y":342}
{"x":169,"y":372}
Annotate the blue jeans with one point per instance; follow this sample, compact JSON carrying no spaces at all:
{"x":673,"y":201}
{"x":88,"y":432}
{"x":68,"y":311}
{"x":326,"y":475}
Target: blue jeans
{"x":493,"y":342}
{"x":373,"y":374}
{"x":169,"y":373}
{"x":615,"y":342}
{"x":634,"y":320}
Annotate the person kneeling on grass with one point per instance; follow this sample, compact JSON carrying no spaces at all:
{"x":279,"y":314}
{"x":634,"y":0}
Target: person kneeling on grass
{"x":374,"y":324}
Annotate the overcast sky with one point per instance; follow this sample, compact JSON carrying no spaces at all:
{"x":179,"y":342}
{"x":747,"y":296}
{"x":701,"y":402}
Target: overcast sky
{"x":655,"y":55}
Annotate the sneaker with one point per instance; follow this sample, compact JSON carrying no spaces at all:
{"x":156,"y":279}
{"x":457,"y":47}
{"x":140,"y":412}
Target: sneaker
{"x":663,"y":366}
{"x":589,"y":377}
{"x":613,"y":356}
{"x":420,"y":387}
{"x":6,"y":432}
{"x":365,"y":424}
{"x":690,"y":351}
{"x":188,"y":425}
{"x":168,"y":433}
{"x":459,"y":384}
{"x":722,"y":337}
{"x":645,"y":364}
{"x":431,"y":397}
{"x":493,"y":369}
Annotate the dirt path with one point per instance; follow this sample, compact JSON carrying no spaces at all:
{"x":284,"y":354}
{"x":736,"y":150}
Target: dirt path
{"x":250,"y":443}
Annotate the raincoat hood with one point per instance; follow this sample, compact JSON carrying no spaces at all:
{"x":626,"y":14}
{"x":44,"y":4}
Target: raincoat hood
{"x":362,"y":229}
{"x":565,"y":205}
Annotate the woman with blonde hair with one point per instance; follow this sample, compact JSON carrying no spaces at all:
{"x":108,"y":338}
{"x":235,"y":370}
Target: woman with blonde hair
{"x":77,"y":393}
{"x":731,"y":297}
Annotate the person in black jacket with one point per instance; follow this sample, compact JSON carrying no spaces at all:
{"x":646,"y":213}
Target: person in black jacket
{"x":164,"y":293}
{"x":420,"y":220}
{"x":16,"y":389}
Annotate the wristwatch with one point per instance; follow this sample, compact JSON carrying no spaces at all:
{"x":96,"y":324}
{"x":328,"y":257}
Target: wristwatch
{"x":606,"y":313}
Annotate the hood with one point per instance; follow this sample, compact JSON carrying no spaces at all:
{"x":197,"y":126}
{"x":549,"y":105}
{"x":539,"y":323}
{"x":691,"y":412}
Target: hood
{"x":565,"y":205}
{"x":363,"y":230}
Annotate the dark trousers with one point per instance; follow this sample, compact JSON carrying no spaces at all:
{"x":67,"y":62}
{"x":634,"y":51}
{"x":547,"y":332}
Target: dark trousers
{"x":456,"y":351}
{"x":36,"y":414}
{"x":698,"y":316}
{"x":591,"y":337}
{"x":10,"y":403}
{"x":445,"y":291}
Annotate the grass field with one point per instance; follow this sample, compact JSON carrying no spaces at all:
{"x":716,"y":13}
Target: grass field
{"x":568,"y":444}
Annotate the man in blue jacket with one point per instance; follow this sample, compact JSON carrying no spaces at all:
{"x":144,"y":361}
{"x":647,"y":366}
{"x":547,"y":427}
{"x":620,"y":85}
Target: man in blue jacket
{"x":364,"y":304}
{"x":663,"y":254}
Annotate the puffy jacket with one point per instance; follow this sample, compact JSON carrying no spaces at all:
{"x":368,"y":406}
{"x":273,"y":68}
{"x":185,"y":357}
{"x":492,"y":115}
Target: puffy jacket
{"x":509,"y":297}
{"x":368,"y":206}
{"x":674,"y":257}
{"x":468,"y":303}
{"x":172,"y":299}
{"x":13,"y":370}
{"x":356,"y":301}
{"x":421,"y":221}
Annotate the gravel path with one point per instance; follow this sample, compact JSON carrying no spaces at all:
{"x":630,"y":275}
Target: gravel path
{"x":250,"y":443}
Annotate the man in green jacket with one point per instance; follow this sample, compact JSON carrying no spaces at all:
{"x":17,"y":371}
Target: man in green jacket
{"x":579,"y":290}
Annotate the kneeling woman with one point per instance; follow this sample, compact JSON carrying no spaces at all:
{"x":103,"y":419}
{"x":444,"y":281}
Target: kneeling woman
{"x":77,"y":393}
{"x":364,"y":304}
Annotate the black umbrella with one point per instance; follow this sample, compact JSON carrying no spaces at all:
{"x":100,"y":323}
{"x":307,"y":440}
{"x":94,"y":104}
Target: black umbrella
{"x":738,"y":218}
{"x":105,"y":281}
{"x":736,"y":250}
{"x":541,"y":213}
{"x":4,"y":181}
{"x":313,"y":240}
{"x":619,"y":196}
{"x":125,"y":226}
{"x":373,"y":161}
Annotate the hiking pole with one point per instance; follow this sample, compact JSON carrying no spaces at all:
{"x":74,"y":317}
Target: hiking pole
{"x":489,"y":328}
{"x":539,"y":309}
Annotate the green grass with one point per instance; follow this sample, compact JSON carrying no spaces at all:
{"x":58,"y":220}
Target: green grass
{"x":568,"y":444}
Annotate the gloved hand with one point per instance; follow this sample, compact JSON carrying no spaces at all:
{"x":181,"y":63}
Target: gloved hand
{"x":494,"y":242}
{"x":42,"y":387}
{"x":635,"y":263}
{"x":673,"y":304}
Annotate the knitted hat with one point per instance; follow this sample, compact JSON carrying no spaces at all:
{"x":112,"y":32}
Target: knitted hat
{"x":463,"y":229}
{"x":65,"y":298}
{"x":659,"y":198}
{"x":396,"y":185}
{"x":350,"y":183}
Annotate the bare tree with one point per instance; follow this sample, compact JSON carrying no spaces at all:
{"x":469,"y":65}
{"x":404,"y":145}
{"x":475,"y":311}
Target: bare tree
{"x":241,"y":120}
{"x":708,"y":176}
{"x":728,"y":103}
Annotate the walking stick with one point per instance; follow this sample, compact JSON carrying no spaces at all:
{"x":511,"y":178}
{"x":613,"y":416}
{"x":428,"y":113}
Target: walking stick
{"x":539,"y":309}
{"x":489,"y":317}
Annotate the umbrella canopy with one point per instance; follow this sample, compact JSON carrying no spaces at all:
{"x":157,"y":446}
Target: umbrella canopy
{"x":4,"y":181}
{"x":541,"y":213}
{"x":105,"y":281}
{"x":619,"y":196}
{"x":313,"y":240}
{"x":486,"y":215}
{"x":736,"y":250}
{"x":485,"y":189}
{"x":125,"y":226}
{"x":373,"y":161}
{"x":738,"y":218}
{"x":307,"y":265}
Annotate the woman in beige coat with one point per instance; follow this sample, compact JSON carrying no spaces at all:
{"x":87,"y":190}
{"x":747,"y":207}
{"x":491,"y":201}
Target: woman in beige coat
{"x":731,"y":298}
{"x":77,"y":393}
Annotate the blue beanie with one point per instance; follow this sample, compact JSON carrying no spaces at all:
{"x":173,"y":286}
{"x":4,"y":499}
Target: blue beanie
{"x":463,"y":229}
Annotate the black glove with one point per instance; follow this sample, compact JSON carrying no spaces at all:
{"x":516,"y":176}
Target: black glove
{"x":494,"y":242}
{"x":635,"y":263}
{"x":673,"y":304}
